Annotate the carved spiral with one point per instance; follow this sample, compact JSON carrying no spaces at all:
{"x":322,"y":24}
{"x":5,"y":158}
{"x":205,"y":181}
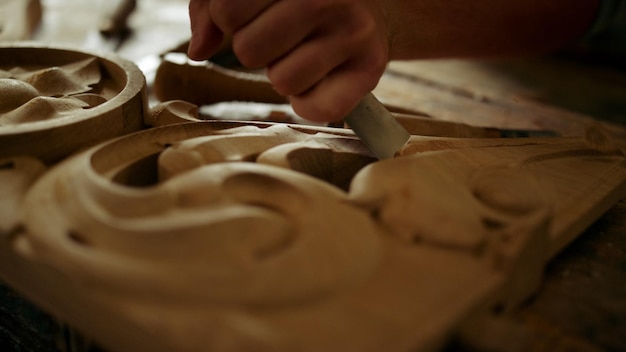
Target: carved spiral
{"x":235,"y":232}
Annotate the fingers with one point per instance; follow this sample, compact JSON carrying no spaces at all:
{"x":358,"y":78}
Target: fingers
{"x":325,"y":54}
{"x":331,"y":47}
{"x":205,"y":35}
{"x":332,"y":98}
{"x":232,"y":15}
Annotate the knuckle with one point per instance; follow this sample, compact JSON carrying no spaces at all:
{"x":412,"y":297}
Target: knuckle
{"x":280,"y":82}
{"x":224,"y":15}
{"x":314,"y":7}
{"x":246,"y":53}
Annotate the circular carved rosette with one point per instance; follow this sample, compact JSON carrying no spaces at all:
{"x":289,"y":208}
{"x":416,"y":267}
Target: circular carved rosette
{"x":185,"y":210}
{"x":236,"y":236}
{"x":56,"y":101}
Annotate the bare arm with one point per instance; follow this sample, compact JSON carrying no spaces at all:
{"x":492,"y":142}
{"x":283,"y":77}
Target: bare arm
{"x":327,"y":54}
{"x":486,"y":28}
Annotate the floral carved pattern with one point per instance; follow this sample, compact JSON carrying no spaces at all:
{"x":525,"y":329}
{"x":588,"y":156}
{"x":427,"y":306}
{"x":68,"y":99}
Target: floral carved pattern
{"x":270,"y":237}
{"x":35,"y":94}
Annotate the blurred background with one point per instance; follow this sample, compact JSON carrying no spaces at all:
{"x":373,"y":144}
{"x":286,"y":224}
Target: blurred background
{"x":144,"y":26}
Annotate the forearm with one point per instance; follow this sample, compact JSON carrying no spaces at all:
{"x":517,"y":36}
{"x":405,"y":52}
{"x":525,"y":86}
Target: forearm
{"x":484,"y":28}
{"x":327,"y":54}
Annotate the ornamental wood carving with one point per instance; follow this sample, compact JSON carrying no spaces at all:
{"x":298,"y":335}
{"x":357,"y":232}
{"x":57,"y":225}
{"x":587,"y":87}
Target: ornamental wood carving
{"x":19,"y":19}
{"x":48,"y":94}
{"x":225,"y":236}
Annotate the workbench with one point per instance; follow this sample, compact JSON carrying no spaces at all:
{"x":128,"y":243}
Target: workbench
{"x":581,"y":305}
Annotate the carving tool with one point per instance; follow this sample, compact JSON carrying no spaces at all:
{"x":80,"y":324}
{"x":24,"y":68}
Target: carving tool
{"x":377,"y":128}
{"x":115,"y":23}
{"x":370,"y":120}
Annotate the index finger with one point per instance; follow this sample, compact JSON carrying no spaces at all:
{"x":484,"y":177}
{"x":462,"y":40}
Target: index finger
{"x":206,"y":37}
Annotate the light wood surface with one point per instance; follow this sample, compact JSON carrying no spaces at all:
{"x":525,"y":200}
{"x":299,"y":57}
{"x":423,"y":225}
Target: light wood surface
{"x":175,"y":238}
{"x":57,"y":101}
{"x":19,"y":19}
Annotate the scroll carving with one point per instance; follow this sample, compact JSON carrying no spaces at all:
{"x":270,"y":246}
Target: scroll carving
{"x":51,"y":93}
{"x":216,"y":236}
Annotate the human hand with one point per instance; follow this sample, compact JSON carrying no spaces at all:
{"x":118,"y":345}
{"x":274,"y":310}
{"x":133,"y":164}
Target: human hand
{"x":324,"y":54}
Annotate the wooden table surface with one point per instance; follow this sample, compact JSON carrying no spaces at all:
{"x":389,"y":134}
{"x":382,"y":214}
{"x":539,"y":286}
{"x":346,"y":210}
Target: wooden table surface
{"x":582,"y":303}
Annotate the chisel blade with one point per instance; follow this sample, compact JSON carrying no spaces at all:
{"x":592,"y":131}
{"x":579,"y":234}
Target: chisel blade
{"x":377,"y":128}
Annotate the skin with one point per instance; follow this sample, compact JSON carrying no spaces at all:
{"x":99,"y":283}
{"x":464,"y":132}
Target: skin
{"x":327,"y":54}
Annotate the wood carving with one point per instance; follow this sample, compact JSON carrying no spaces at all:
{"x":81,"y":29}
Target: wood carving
{"x":238,"y":94}
{"x":505,"y":94}
{"x":238,"y":237}
{"x":67,"y":93}
{"x":16,"y":176}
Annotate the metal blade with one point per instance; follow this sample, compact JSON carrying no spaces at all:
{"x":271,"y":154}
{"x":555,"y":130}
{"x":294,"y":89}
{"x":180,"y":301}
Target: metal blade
{"x":377,"y":128}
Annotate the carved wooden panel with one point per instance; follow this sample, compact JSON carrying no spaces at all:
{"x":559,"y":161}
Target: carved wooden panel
{"x":271,"y":237}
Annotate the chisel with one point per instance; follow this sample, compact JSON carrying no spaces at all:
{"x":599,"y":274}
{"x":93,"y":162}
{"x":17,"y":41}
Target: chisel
{"x":377,"y":128}
{"x":370,"y":120}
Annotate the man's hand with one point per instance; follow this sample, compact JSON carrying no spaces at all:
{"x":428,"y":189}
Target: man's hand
{"x":324,"y":54}
{"x":327,"y":54}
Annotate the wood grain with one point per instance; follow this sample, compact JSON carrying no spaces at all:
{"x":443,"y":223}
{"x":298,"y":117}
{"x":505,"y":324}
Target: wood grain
{"x":221,"y":245}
